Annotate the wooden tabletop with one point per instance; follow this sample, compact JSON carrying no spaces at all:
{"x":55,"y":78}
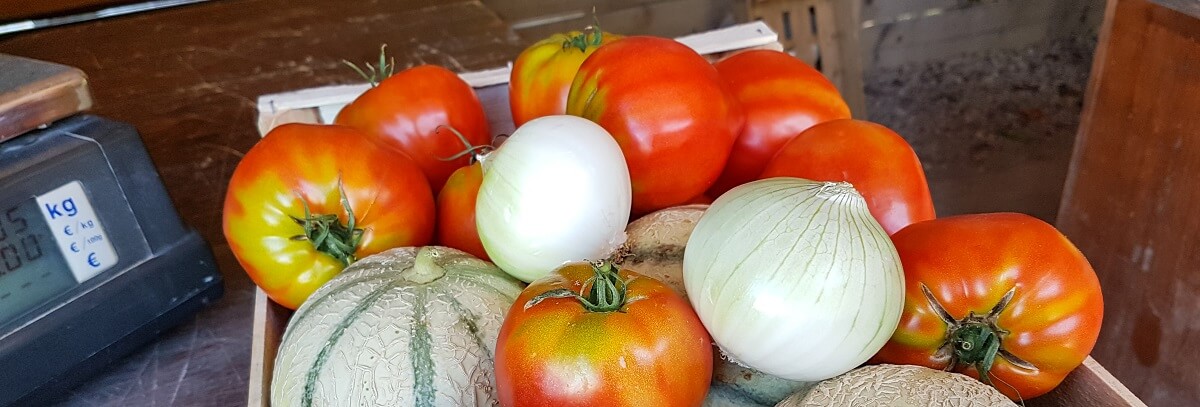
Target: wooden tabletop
{"x":187,"y":79}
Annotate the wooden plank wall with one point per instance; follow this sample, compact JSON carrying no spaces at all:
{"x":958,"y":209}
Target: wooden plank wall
{"x":537,"y":19}
{"x":897,"y":32}
{"x":1132,"y":199}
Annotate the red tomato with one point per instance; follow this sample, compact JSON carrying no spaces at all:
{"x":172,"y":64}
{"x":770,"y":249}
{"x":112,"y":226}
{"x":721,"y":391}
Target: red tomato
{"x":969,"y":264}
{"x":405,"y":110}
{"x":668,"y":109}
{"x":877,"y":161}
{"x":456,"y":211}
{"x":296,"y":176}
{"x":542,"y":74}
{"x":699,"y":199}
{"x":641,"y":345}
{"x":782,"y":96}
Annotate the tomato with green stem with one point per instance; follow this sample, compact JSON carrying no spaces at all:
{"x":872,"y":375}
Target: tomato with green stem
{"x":668,"y":109}
{"x":590,"y":334}
{"x":541,"y":75}
{"x":456,"y":203}
{"x":1003,"y":297}
{"x":404,"y":109}
{"x":308,"y":200}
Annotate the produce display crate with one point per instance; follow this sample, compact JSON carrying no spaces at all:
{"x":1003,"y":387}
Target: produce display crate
{"x":1089,"y":385}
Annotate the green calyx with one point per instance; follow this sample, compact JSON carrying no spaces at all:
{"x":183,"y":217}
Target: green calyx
{"x":975,"y":340}
{"x":591,"y":36}
{"x":588,"y":37}
{"x":378,"y":72}
{"x":604,"y":292}
{"x":327,"y":232}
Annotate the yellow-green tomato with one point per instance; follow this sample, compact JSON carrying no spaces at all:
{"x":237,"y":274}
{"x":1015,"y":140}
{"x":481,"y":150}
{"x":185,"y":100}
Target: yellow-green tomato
{"x":542,"y":74}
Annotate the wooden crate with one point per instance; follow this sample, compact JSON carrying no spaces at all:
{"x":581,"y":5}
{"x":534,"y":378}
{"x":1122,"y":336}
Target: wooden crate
{"x":823,"y":33}
{"x":1089,"y":385}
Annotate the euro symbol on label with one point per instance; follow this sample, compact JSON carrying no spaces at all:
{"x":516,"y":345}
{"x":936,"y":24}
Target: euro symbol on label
{"x":92,"y":260}
{"x":75,"y":247}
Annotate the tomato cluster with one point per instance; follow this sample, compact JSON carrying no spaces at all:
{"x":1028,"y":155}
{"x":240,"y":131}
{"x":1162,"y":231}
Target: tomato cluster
{"x":1002,"y":297}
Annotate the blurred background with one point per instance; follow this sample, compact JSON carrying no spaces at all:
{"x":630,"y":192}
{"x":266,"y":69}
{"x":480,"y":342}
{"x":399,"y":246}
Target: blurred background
{"x":990,"y":94}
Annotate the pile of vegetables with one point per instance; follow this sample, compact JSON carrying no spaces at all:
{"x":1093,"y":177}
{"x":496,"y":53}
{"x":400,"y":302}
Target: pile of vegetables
{"x":777,"y":248}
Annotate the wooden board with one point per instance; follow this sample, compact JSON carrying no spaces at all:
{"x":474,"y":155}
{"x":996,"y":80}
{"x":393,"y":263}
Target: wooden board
{"x":13,"y":10}
{"x":899,"y":32}
{"x":270,"y":320}
{"x":1131,"y":198}
{"x":1089,"y":385}
{"x":537,"y":19}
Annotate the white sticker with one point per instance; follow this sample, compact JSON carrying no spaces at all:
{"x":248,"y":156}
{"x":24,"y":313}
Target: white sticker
{"x":77,"y":230}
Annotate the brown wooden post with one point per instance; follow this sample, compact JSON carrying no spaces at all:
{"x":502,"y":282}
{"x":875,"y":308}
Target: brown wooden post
{"x":1132,"y":198}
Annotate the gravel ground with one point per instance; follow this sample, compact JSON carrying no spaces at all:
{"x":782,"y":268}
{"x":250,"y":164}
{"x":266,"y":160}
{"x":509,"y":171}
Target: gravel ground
{"x":994,"y":130}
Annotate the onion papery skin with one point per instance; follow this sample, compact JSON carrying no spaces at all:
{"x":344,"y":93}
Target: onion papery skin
{"x":794,"y":278}
{"x":556,"y":191}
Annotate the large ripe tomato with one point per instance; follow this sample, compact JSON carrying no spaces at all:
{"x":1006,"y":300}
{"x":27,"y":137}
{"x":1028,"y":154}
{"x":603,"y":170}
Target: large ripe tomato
{"x":1004,"y":293}
{"x":456,"y":211}
{"x":301,"y":184}
{"x":668,"y":109}
{"x":782,"y":96}
{"x":405,"y":112}
{"x":640,"y":344}
{"x":877,"y":161}
{"x":542,"y":74}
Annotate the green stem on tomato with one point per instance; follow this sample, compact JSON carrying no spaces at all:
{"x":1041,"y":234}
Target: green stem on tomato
{"x":975,"y":340}
{"x":327,"y":232}
{"x":376,"y":73}
{"x":581,"y":41}
{"x":605,"y":291}
{"x":474,"y":151}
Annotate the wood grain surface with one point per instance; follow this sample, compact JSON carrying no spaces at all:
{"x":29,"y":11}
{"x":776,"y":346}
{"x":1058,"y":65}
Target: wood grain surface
{"x":187,"y":79}
{"x":1132,"y":199}
{"x":14,"y":10}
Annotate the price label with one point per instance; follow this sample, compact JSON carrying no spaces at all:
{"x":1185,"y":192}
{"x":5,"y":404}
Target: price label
{"x":77,"y":230}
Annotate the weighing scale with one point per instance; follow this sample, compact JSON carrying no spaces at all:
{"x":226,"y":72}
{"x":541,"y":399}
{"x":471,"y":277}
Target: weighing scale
{"x":94,"y":260}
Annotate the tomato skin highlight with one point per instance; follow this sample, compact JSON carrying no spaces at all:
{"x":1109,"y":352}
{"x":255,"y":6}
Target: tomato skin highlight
{"x":782,"y":96}
{"x":456,"y":211}
{"x":295,"y":164}
{"x":406,"y":110}
{"x":556,"y":353}
{"x":667,"y":107}
{"x":969,"y":262}
{"x":542,"y":74}
{"x":877,"y":161}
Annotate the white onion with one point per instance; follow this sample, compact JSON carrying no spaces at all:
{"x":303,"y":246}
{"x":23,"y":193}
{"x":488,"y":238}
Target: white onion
{"x":794,"y":278}
{"x":556,"y":191}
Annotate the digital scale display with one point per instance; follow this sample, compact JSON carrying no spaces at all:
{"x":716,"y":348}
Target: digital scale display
{"x":95,"y":262}
{"x":48,"y":244}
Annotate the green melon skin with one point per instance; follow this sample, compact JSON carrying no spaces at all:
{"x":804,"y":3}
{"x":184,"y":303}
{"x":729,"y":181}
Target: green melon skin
{"x":406,"y":327}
